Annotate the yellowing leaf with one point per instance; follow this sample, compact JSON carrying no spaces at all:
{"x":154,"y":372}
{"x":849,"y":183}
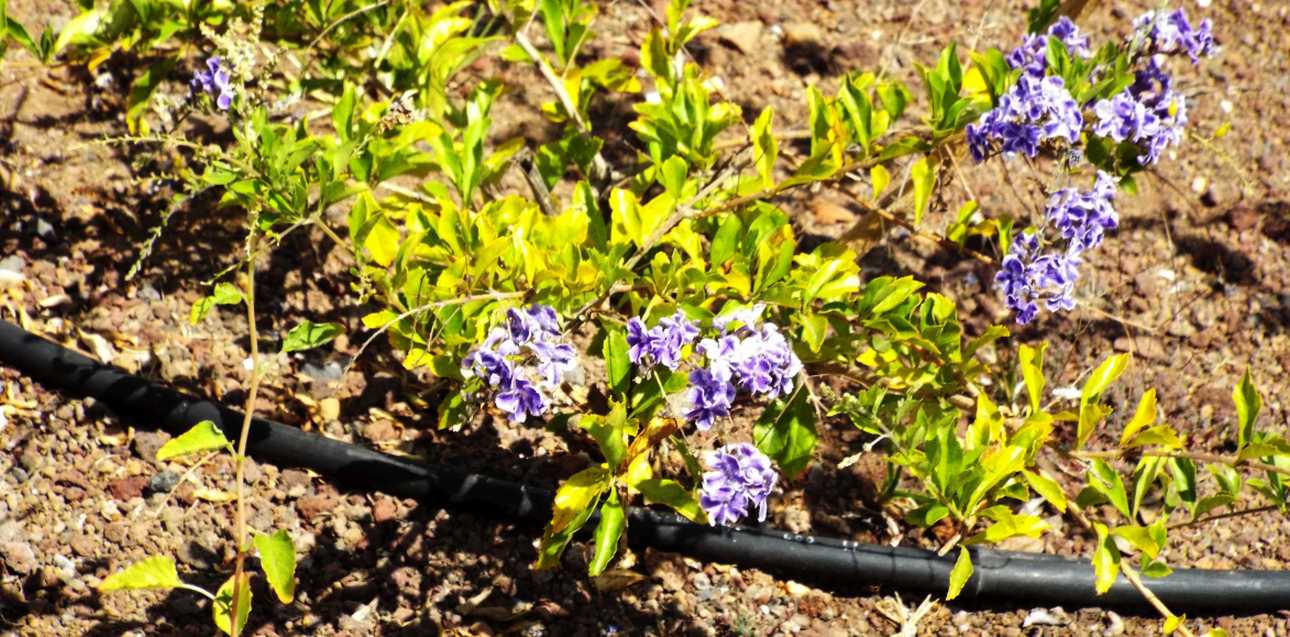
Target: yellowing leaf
{"x":576,"y":495}
{"x":1144,"y":416}
{"x":204,"y":436}
{"x":383,"y":242}
{"x":960,"y":574}
{"x":1032,"y":371}
{"x":278,"y":561}
{"x":156,"y":572}
{"x":1106,"y":560}
{"x":1047,"y":488}
{"x":879,"y":178}
{"x":221,"y":608}
{"x":765,"y":147}
{"x":1091,"y":410}
{"x":923,"y":175}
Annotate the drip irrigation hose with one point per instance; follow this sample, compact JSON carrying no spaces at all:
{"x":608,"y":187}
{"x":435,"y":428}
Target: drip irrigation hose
{"x":1016,"y":578}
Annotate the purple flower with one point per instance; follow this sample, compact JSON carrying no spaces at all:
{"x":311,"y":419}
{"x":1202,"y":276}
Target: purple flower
{"x":1148,"y":113}
{"x":213,"y":81}
{"x":765,"y":364}
{"x":1032,"y":55}
{"x":1028,"y":277}
{"x":1082,"y":218}
{"x":710,"y":398}
{"x":1034,"y":110}
{"x":661,"y":344}
{"x":522,"y":358}
{"x":746,"y":317}
{"x":1171,"y":32}
{"x":520,"y":400}
{"x":739,"y":478}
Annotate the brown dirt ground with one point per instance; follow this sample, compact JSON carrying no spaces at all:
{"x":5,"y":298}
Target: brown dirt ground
{"x":1194,"y":283}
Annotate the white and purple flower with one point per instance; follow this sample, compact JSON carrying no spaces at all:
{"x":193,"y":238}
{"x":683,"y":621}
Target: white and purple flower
{"x":739,"y":478}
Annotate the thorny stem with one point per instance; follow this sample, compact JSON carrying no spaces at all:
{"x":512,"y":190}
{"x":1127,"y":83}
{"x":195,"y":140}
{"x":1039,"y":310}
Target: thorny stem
{"x":1235,"y":461}
{"x":1130,"y":573}
{"x":239,"y":535}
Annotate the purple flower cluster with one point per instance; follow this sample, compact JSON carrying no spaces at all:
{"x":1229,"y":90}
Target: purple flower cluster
{"x":214,"y":81}
{"x":756,"y":359}
{"x":1034,"y":110}
{"x":1082,"y":218}
{"x":1171,"y":32}
{"x":740,"y":477}
{"x":1032,"y":55}
{"x":521,"y":359}
{"x":1148,"y":113}
{"x":662,"y":343}
{"x":1029,"y":276}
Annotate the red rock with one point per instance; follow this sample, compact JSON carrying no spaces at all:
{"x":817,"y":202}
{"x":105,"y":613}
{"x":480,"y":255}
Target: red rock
{"x":127,"y":488}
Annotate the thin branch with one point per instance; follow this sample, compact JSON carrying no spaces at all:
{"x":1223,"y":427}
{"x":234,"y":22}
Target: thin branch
{"x":599,"y":167}
{"x":239,"y":535}
{"x":1129,"y":572}
{"x":1221,"y":516}
{"x":1200,"y":456}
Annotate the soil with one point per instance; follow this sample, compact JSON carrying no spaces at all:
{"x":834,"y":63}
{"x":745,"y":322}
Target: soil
{"x":1193,"y":283}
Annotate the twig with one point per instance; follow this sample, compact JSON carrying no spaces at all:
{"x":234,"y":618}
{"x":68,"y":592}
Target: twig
{"x":239,"y":535}
{"x":1220,"y":516}
{"x":1199,"y":456}
{"x":599,"y":167}
{"x":490,"y":296}
{"x":1130,"y":573}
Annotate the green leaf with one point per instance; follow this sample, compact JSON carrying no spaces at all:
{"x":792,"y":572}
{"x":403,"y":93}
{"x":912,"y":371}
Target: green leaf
{"x":156,"y":572}
{"x":670,"y":493}
{"x":609,"y":434}
{"x":1106,"y":560}
{"x":308,"y":335}
{"x":923,"y":175}
{"x":1154,"y":568}
{"x":223,"y":294}
{"x":1047,"y":488}
{"x":278,"y":561}
{"x":1107,"y":481}
{"x":1248,"y":403}
{"x":786,"y":432}
{"x":814,"y":329}
{"x":959,"y":575}
{"x":1091,"y":411}
{"x":204,"y":436}
{"x":672,"y":175}
{"x":1032,"y":370}
{"x":617,"y":361}
{"x":382,"y":241}
{"x":765,"y":147}
{"x":221,"y":608}
{"x":141,"y":90}
{"x":612,"y":522}
{"x":79,"y":30}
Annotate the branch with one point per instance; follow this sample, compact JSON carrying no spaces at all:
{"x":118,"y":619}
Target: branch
{"x":599,"y":167}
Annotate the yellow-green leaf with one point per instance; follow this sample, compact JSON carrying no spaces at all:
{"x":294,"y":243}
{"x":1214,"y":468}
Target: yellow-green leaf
{"x":1143,"y":417}
{"x":923,"y":175}
{"x":1091,"y":410}
{"x":879,"y":178}
{"x":672,"y":494}
{"x":1174,"y":622}
{"x":278,"y":561}
{"x":204,"y":436}
{"x":156,"y":572}
{"x":1032,"y":371}
{"x":765,"y":147}
{"x":960,"y":574}
{"x":308,"y":335}
{"x":1140,"y":537}
{"x":1248,"y":403}
{"x":222,"y":607}
{"x":382,"y":242}
{"x":1106,"y":560}
{"x":1047,"y":488}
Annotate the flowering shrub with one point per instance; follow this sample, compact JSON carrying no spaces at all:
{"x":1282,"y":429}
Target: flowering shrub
{"x":679,"y":274}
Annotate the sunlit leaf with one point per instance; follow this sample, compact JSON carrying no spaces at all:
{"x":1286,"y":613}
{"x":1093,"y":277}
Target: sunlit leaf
{"x":222,"y":607}
{"x":308,"y":335}
{"x":203,"y":436}
{"x":612,"y":522}
{"x":960,"y":574}
{"x":156,"y":572}
{"x":278,"y":561}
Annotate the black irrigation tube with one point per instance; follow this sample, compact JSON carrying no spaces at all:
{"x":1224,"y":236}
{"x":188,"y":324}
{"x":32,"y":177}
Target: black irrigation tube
{"x":1016,"y":578}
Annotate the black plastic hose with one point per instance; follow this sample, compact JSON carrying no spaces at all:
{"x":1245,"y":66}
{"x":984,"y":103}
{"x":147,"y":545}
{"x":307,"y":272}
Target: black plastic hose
{"x":1017,"y":578}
